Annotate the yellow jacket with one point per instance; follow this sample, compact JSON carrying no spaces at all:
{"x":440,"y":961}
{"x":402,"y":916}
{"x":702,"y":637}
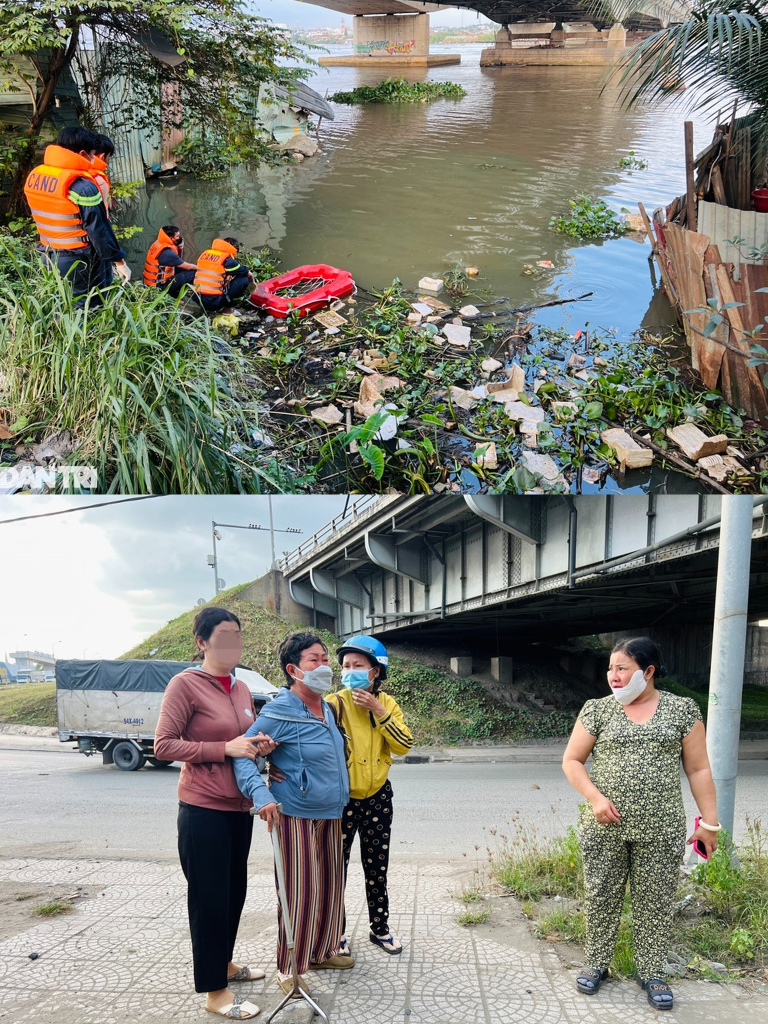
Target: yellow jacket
{"x":372,"y":741}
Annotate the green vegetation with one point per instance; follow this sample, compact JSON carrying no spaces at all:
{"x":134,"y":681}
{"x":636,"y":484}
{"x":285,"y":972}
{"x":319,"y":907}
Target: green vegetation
{"x":589,"y":219}
{"x":471,"y":918}
{"x":219,"y":40}
{"x":28,"y":704}
{"x":148,"y":400}
{"x":632,"y":163}
{"x":398,"y":90}
{"x":24,"y":896}
{"x":52,"y":909}
{"x":439,"y":708}
{"x":722,"y":913}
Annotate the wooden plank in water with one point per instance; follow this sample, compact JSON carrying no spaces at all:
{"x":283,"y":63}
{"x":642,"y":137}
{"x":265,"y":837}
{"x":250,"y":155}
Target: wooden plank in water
{"x":685,"y":252}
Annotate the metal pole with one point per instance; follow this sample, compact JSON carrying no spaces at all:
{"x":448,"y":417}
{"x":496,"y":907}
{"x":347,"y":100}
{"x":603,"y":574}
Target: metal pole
{"x":215,"y":561}
{"x":271,"y":532}
{"x":726,"y":678}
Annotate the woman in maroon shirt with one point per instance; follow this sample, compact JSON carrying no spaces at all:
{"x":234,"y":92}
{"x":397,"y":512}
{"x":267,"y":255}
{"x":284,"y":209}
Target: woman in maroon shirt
{"x":204,"y":714}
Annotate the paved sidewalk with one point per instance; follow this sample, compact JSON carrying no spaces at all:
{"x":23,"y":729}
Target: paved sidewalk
{"x":122,"y":956}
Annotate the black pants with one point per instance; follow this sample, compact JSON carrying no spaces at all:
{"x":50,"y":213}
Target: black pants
{"x":213,"y":849}
{"x":83,"y":268}
{"x":371,"y":818}
{"x":235,"y":290}
{"x":177,"y":282}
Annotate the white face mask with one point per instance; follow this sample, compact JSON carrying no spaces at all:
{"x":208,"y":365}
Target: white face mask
{"x":318,"y":679}
{"x":633,"y":689}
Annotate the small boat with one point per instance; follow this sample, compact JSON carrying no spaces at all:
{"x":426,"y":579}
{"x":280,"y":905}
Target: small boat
{"x":303,"y":290}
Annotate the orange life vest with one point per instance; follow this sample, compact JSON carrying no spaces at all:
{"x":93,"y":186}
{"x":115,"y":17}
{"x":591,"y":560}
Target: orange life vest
{"x":100,"y":176}
{"x":155,"y":275}
{"x":211,"y":275}
{"x":57,"y":219}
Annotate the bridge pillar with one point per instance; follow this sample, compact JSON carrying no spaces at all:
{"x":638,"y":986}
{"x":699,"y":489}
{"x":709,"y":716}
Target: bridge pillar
{"x":554,"y":43}
{"x":391,"y":39}
{"x":501,"y":669}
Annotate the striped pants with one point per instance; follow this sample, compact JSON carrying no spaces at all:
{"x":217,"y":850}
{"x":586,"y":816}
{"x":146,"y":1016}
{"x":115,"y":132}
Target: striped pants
{"x":313,"y":862}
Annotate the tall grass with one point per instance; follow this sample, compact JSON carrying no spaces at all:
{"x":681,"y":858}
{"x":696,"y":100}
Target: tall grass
{"x":722,"y":908}
{"x":150,"y":403}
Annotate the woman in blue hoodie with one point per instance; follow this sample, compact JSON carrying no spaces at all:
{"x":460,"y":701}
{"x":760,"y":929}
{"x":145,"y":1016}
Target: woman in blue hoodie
{"x":313,"y":792}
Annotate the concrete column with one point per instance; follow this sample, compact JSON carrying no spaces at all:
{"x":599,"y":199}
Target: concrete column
{"x":726,"y":678}
{"x":501,"y":669}
{"x":462,"y":666}
{"x":617,"y":35}
{"x":557,"y":35}
{"x":391,"y":35}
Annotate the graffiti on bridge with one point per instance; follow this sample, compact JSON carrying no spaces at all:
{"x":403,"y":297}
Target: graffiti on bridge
{"x":386,"y":46}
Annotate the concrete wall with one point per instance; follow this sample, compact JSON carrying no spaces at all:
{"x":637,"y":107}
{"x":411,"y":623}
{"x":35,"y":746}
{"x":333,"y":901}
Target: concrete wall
{"x":391,"y":35}
{"x":271,"y":592}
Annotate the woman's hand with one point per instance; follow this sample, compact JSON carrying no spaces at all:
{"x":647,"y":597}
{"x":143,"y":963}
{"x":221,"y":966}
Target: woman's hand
{"x":250,"y":746}
{"x":709,"y":839}
{"x":365,"y":699}
{"x":274,"y":774}
{"x":605,"y":811}
{"x":270,"y":814}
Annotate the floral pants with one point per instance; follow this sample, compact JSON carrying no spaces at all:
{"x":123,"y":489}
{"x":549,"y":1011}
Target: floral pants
{"x":652,"y":866}
{"x":371,"y":819}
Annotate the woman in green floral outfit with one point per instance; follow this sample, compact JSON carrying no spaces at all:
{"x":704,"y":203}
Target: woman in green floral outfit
{"x":633,"y":825}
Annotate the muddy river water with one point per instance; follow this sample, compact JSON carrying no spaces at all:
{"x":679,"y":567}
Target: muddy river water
{"x":407,"y":191}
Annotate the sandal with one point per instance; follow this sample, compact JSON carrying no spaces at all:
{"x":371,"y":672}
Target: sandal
{"x":589,"y":979}
{"x":659,"y":993}
{"x":388,"y":943}
{"x":344,"y":949}
{"x":246,"y":974}
{"x":240,"y":1009}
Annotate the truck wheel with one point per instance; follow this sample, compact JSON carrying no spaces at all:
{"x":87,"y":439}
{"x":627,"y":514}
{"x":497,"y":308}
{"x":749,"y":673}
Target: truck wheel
{"x":158,"y":763}
{"x":127,"y":757}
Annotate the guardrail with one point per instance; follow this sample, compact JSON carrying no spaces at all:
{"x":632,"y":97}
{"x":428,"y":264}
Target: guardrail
{"x":345,"y":519}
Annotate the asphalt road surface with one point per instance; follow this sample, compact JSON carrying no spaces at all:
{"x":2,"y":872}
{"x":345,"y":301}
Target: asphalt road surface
{"x":57,"y":802}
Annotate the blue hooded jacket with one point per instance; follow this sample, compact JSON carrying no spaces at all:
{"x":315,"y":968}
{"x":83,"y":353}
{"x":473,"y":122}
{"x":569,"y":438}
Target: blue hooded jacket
{"x":310,"y":755}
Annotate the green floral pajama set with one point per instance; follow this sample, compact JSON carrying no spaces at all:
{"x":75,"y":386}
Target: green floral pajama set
{"x":637,"y":767}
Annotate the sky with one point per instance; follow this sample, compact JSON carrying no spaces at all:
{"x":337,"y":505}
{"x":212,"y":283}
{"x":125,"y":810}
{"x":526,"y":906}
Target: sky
{"x":298,"y":14}
{"x":96,"y":582}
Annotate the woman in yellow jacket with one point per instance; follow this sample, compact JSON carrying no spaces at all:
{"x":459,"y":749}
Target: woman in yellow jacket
{"x":374,"y":725}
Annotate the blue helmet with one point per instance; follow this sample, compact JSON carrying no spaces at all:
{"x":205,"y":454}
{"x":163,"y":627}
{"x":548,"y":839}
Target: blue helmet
{"x":371,"y":647}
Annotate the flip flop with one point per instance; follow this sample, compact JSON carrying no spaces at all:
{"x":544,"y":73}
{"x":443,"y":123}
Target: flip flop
{"x":388,"y":943}
{"x":246,"y":974}
{"x":589,"y":979}
{"x":240,"y":1009}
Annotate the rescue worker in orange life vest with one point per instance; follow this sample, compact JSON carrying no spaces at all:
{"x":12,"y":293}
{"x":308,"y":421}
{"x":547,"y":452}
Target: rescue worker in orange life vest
{"x":76,"y":237}
{"x":165,"y":266}
{"x":221,"y":278}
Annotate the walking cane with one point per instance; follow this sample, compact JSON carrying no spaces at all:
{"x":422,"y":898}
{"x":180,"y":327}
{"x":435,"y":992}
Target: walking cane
{"x":288,"y":925}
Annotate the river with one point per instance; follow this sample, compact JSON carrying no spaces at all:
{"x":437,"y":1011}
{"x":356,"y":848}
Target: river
{"x":407,"y":191}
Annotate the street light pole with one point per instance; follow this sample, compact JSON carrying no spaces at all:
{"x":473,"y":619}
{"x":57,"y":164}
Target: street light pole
{"x":215,"y":561}
{"x":726,"y":679}
{"x":271,"y":532}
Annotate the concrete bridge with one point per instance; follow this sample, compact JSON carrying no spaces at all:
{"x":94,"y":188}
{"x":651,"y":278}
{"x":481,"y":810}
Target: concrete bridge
{"x":485,"y":571}
{"x":532,"y":31}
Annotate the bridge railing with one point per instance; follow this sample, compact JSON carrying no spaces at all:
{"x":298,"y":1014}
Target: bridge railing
{"x":342,"y":521}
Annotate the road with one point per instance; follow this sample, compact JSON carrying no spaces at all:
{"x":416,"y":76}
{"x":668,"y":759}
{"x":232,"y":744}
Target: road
{"x":57,"y":802}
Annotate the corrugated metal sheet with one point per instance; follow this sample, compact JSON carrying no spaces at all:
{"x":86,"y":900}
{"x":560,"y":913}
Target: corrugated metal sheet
{"x":723,"y":222}
{"x":135,"y":148}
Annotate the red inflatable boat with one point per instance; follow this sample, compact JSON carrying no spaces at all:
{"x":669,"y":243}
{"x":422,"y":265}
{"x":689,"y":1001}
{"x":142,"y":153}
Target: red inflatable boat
{"x":302,"y":290}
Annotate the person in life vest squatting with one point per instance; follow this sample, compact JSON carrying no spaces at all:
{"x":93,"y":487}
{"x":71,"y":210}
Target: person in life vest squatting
{"x":68,"y":208}
{"x":221,"y":279}
{"x":165,"y":266}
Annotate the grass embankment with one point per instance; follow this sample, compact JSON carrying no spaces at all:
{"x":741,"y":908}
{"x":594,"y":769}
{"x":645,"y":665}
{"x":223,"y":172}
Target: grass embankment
{"x":398,"y":90}
{"x":722,"y":908}
{"x":439,"y":708}
{"x":28,"y":704}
